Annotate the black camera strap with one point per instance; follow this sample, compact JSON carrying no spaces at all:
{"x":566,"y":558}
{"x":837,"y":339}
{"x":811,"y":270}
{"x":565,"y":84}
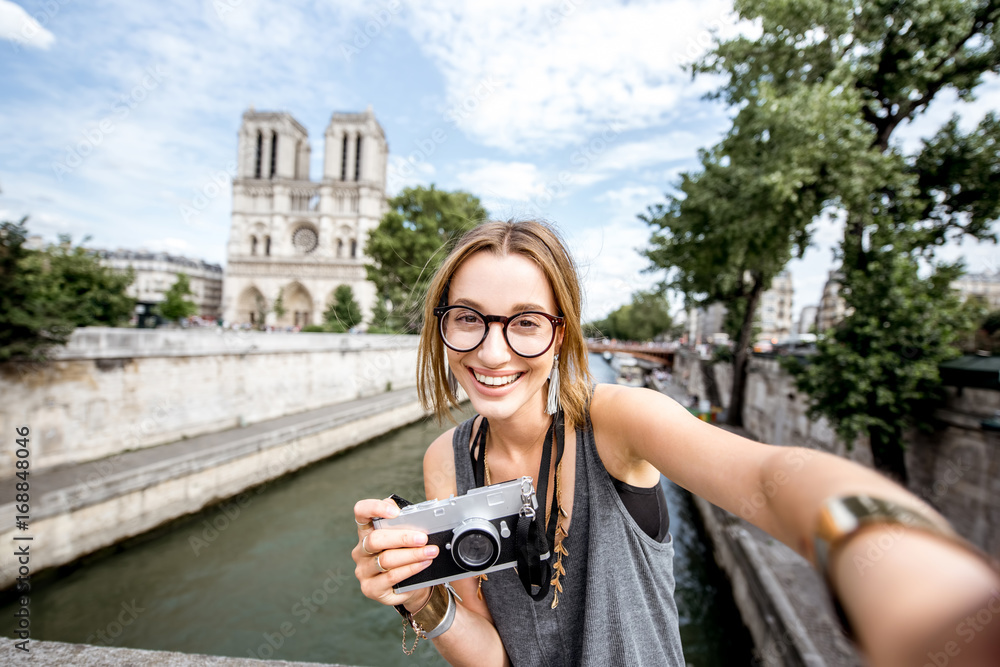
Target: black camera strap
{"x":532,"y":537}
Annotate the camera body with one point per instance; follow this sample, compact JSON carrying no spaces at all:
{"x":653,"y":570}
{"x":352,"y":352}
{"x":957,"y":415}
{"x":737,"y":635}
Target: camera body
{"x":475,"y":533}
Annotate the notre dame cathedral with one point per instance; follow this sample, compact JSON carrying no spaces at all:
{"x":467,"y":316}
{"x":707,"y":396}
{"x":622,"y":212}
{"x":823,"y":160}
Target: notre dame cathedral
{"x":294,"y":237}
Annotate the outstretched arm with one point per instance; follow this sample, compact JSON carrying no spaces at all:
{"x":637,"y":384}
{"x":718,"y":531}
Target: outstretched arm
{"x":918,"y":586}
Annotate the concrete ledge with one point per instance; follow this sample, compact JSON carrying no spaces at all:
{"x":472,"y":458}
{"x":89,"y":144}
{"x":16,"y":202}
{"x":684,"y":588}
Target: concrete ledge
{"x":76,"y":515}
{"x":59,"y":654}
{"x":121,"y":343}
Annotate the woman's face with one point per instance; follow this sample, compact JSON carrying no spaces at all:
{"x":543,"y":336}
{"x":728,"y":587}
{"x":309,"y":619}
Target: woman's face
{"x":500,"y":383}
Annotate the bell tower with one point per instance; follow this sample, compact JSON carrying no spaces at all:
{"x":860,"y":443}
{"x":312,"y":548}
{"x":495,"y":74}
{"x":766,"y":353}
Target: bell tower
{"x":294,"y":238}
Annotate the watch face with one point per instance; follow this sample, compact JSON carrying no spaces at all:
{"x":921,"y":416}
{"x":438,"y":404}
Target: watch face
{"x":305,"y":240}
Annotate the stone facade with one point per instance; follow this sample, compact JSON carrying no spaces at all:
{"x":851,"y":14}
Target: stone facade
{"x":294,"y":237}
{"x":956,"y":468}
{"x":114,"y":390}
{"x":832,"y":307}
{"x":156,"y":272}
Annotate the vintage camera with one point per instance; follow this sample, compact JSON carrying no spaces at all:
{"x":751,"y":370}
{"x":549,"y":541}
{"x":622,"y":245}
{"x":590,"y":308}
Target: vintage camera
{"x":475,"y":533}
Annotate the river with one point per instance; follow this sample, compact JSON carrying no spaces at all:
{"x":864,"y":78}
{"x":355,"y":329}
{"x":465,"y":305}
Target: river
{"x":269,"y":574}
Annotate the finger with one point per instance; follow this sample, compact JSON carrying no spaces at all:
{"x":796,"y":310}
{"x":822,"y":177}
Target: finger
{"x":366,"y":510}
{"x":385,"y":539}
{"x":400,"y":558}
{"x":393,"y":577}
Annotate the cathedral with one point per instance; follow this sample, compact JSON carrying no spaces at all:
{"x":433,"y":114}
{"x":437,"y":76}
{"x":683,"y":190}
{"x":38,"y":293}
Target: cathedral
{"x":292,"y":237}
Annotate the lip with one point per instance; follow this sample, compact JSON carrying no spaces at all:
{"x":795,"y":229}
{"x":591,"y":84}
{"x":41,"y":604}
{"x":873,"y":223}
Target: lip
{"x":488,"y":390}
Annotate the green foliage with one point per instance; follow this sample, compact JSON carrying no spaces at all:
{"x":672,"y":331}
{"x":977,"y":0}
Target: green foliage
{"x":344,"y":313}
{"x":48,"y":293}
{"x":279,"y":305}
{"x":876,"y":373}
{"x":408,"y":246}
{"x":881,"y":64}
{"x":314,"y":328}
{"x":647,"y":316}
{"x":174,"y":306}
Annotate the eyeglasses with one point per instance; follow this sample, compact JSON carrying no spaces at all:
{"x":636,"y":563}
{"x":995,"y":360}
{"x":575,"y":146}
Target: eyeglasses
{"x":529,"y":334}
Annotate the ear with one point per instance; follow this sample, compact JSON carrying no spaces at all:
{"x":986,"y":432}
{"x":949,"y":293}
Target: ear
{"x":559,"y":339}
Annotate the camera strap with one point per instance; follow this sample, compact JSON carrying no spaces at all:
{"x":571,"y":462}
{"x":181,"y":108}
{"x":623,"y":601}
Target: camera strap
{"x":532,"y":537}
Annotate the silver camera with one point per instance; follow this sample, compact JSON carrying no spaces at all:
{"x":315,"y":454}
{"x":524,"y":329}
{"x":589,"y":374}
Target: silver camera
{"x":475,"y":533}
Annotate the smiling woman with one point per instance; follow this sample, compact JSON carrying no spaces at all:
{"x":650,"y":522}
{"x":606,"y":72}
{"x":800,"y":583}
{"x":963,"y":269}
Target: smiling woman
{"x":594,"y":582}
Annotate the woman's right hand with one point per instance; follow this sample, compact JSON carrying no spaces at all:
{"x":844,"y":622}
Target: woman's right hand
{"x":387,"y":556}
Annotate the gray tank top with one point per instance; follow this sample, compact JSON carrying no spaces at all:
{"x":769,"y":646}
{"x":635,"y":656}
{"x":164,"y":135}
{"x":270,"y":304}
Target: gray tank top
{"x":617,"y":606}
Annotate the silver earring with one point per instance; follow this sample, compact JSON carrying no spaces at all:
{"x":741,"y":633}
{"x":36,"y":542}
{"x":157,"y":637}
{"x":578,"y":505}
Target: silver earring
{"x":452,"y":383}
{"x":552,"y":405}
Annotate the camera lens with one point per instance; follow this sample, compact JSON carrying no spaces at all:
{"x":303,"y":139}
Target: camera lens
{"x":475,"y":545}
{"x":475,"y":549}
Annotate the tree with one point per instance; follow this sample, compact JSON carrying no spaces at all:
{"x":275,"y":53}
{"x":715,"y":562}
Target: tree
{"x":174,"y":306}
{"x":47,"y":293}
{"x":279,"y":305}
{"x":409,"y":244}
{"x":893,"y":59}
{"x":647,"y":316}
{"x":344,"y":313}
{"x":877,"y":372}
{"x":733,"y":226}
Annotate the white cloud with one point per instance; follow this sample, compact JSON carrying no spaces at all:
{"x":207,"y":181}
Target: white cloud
{"x":506,"y":188}
{"x":529,"y":75}
{"x":403,"y":173}
{"x":20,"y":27}
{"x":610,"y":266}
{"x":632,"y":198}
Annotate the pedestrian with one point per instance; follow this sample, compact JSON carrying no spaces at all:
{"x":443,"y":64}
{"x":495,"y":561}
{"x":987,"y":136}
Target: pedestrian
{"x":502,"y":320}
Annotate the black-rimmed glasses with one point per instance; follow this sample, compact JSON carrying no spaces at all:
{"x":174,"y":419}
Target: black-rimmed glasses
{"x":529,"y":334}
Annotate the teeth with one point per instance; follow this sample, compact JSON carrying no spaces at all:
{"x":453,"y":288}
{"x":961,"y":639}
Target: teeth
{"x":496,"y":381}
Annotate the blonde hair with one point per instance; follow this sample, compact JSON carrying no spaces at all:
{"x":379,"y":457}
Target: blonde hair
{"x":541,"y":244}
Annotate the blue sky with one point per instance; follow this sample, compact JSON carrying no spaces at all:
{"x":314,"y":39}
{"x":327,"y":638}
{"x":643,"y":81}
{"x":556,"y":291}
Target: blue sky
{"x":119,"y":118}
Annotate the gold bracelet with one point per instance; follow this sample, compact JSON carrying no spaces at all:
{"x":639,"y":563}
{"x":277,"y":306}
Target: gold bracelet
{"x":430,"y":616}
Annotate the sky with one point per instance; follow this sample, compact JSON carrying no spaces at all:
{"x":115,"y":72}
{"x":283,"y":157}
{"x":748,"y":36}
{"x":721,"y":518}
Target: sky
{"x":119,"y":118}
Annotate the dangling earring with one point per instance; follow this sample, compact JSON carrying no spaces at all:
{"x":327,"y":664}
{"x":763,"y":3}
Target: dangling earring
{"x":552,"y":405}
{"x":452,"y":383}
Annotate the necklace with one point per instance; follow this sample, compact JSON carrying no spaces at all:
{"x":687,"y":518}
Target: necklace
{"x":560,"y":533}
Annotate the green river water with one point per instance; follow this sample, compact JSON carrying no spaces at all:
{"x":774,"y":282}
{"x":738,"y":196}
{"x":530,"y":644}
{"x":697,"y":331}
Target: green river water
{"x":269,"y":574}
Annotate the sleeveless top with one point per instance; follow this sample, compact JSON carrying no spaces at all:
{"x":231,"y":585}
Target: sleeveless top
{"x":617,"y":605}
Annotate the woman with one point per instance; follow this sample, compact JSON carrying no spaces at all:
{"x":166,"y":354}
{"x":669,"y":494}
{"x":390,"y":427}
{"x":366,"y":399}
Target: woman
{"x":502,"y":319}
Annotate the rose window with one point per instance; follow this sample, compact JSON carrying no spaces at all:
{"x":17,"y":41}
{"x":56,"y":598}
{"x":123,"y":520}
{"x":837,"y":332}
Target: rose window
{"x":304,"y":239}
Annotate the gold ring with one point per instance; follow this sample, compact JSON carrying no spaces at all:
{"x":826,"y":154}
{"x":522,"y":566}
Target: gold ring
{"x":379,"y":564}
{"x":364,"y":546}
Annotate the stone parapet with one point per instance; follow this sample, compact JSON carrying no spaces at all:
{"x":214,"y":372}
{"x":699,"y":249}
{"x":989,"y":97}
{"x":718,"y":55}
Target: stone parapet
{"x":141,"y":490}
{"x":60,"y":654}
{"x":115,"y":390}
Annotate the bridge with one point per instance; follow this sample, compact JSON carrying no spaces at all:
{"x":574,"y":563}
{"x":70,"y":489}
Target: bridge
{"x":657,"y":353}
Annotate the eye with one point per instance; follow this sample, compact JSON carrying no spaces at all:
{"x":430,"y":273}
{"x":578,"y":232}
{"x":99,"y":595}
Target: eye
{"x":527,"y":322}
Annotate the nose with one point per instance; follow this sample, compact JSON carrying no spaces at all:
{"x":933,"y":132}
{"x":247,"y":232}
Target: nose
{"x":494,"y":351}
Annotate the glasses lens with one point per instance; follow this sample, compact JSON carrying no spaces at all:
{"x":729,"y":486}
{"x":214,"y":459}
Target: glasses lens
{"x":529,"y":334}
{"x":462,"y":328}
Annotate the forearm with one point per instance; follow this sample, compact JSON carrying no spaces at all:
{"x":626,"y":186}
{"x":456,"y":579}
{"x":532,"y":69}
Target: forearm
{"x":795,"y":483}
{"x":471,"y":640}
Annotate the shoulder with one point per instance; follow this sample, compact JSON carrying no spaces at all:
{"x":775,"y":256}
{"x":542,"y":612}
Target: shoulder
{"x":627,"y":419}
{"x":626,"y":408}
{"x":439,"y":466}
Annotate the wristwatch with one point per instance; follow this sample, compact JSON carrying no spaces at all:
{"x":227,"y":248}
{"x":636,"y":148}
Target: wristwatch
{"x":842,"y":517}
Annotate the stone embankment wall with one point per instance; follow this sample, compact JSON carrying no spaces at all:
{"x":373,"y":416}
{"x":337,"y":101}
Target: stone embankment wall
{"x":956,"y":468}
{"x":115,"y":390}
